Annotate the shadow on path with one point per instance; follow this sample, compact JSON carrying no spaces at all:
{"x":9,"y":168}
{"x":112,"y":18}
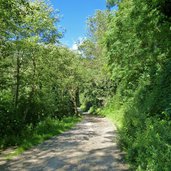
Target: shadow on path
{"x":91,"y":145}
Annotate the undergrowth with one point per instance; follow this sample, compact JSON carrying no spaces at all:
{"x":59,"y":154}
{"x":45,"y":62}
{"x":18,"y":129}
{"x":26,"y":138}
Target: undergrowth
{"x":144,"y":137}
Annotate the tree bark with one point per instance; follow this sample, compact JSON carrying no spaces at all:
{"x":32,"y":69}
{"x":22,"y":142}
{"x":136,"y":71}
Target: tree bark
{"x":32,"y":88}
{"x":17,"y":80}
{"x":74,"y":100}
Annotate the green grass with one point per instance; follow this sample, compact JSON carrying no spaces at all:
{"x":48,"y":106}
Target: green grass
{"x":114,"y":114}
{"x":43,"y":131}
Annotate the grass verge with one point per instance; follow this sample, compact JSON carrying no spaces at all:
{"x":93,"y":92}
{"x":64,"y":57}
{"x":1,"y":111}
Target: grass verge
{"x":114,"y":114}
{"x":43,"y":131}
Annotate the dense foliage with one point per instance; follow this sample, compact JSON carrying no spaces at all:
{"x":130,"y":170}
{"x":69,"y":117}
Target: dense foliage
{"x":135,"y":52}
{"x":39,"y":78}
{"x":139,"y":54}
{"x":97,"y":84}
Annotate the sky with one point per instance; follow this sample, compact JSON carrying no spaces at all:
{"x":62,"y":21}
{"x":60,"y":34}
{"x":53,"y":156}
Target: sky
{"x":74,"y":14}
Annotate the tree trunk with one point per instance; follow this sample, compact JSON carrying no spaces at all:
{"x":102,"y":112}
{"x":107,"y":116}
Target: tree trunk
{"x":17,"y":81}
{"x":32,"y":88}
{"x":74,"y":100}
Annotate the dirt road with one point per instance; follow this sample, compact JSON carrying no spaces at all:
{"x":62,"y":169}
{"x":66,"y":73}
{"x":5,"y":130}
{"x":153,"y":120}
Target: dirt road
{"x":90,"y":146}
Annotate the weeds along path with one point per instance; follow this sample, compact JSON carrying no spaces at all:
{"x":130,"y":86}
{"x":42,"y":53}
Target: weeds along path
{"x":90,"y":146}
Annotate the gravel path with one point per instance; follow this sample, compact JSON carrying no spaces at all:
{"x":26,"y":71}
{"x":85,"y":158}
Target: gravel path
{"x":90,"y":146}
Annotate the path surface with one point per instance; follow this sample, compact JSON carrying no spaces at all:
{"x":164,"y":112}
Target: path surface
{"x":90,"y":146}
